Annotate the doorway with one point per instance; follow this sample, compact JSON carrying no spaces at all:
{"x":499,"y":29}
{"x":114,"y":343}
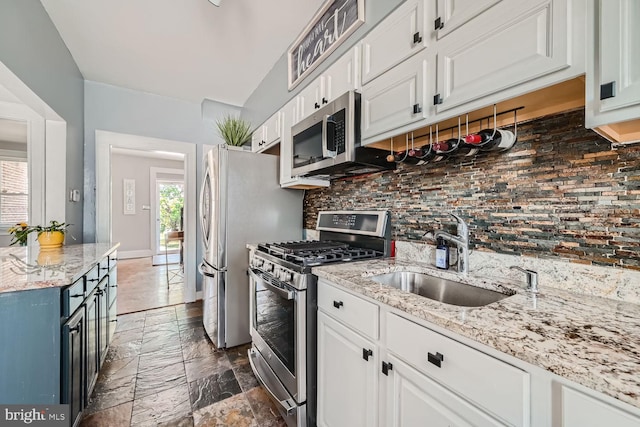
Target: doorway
{"x":167,"y":188}
{"x":105,"y":141}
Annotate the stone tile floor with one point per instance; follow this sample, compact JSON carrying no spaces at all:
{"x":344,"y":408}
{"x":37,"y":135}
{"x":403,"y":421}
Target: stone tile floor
{"x":161,"y":370}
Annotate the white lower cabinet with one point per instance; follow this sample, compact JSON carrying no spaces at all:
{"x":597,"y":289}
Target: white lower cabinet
{"x":362,"y":379}
{"x":347,"y":376}
{"x":413,"y":399}
{"x":577,"y":409}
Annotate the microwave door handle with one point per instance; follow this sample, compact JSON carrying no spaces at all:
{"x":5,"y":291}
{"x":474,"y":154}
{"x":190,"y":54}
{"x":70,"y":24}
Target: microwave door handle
{"x":328,"y":128}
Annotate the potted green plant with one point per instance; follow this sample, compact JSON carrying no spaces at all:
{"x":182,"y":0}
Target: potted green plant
{"x":234,"y":130}
{"x":49,"y":236}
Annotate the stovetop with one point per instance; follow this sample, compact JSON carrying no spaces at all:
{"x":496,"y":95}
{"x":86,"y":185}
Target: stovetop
{"x":308,"y":253}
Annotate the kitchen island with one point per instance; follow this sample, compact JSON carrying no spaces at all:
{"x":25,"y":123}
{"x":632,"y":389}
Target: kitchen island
{"x":57,"y":317}
{"x":590,"y":341}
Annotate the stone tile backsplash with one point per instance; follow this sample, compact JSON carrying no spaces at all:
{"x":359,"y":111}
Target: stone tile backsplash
{"x":562,"y":193}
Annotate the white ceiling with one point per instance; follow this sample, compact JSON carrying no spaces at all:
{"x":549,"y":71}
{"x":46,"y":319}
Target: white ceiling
{"x":186,"y":49}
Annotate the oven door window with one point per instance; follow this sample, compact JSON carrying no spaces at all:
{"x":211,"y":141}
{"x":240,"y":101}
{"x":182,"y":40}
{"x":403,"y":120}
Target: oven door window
{"x":275,"y":320}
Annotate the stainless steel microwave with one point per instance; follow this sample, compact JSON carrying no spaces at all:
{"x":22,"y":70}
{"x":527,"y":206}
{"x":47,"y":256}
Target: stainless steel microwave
{"x":328,"y":142}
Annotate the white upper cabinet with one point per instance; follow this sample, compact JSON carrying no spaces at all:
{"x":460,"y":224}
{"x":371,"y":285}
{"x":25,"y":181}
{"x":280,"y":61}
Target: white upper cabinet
{"x":268,"y":133}
{"x":451,"y":14}
{"x":340,"y":77}
{"x":509,"y":45}
{"x":613,"y":71}
{"x":397,"y":98}
{"x":402,"y":34}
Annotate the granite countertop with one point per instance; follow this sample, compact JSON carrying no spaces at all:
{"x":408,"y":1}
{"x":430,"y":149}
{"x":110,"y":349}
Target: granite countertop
{"x":24,"y":268}
{"x":592,"y":341}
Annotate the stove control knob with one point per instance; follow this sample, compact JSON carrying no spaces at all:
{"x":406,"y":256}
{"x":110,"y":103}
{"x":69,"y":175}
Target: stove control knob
{"x":280,"y":274}
{"x":288,"y":276}
{"x":269,"y":267}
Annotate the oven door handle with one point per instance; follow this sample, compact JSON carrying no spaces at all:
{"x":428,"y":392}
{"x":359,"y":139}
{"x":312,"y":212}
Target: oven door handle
{"x":283,"y":293}
{"x":287,"y":404}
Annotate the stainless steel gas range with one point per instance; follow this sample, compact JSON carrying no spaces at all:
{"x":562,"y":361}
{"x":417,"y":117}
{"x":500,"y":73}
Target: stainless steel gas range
{"x":284,"y":302}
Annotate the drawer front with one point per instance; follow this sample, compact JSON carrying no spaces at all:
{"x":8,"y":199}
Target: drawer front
{"x":92,"y":278}
{"x":580,"y":410}
{"x":103,"y":268}
{"x":113,"y":259}
{"x":113,"y":286}
{"x":496,"y":386}
{"x":349,"y":309}
{"x":72,"y":298}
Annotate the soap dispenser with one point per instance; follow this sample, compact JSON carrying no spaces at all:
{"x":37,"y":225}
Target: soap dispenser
{"x":442,"y":254}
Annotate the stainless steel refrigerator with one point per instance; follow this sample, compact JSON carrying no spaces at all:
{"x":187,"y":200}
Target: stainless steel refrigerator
{"x":240,"y":202}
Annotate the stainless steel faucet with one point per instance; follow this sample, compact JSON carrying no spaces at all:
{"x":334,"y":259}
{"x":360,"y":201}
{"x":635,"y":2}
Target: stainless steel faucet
{"x":461,"y":240}
{"x":532,"y":278}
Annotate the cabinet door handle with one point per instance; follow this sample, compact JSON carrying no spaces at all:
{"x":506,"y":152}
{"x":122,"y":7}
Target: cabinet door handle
{"x":417,"y":109}
{"x":386,"y":367}
{"x":316,"y":105}
{"x":324,"y":100}
{"x":92,"y":280}
{"x":76,"y":295}
{"x":436,"y":359}
{"x":437,"y":99}
{"x":438,"y":24}
{"x":366,"y":353}
{"x":337,"y":304}
{"x":114,"y":320}
{"x":416,"y":38}
{"x":608,"y":90}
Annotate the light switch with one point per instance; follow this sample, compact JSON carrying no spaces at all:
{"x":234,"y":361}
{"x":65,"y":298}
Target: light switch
{"x":74,"y":195}
{"x":146,"y":207}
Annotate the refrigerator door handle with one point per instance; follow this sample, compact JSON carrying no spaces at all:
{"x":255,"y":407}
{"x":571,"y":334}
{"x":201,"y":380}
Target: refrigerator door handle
{"x":283,"y":293}
{"x":202,"y":270}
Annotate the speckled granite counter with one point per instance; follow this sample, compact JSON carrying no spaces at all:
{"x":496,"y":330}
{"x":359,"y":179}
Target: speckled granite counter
{"x":590,"y":340}
{"x":26,"y":268}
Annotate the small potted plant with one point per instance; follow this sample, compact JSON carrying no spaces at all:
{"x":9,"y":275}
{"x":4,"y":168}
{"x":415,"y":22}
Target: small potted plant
{"x":49,"y":236}
{"x":234,"y":130}
{"x":52,"y":235}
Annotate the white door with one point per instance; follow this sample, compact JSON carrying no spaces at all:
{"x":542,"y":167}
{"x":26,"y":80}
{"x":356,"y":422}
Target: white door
{"x":347,"y":382}
{"x":401,"y":35}
{"x":506,"y":48}
{"x":165,"y":182}
{"x":396,"y":98}
{"x":413,"y":399}
{"x":451,"y":14}
{"x":614,"y":77}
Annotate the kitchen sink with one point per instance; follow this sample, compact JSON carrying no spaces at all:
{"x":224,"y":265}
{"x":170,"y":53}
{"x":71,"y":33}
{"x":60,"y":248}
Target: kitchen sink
{"x":438,"y":289}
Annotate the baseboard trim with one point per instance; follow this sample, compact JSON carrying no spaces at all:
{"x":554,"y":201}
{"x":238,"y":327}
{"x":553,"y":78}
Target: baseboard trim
{"x":143,"y":253}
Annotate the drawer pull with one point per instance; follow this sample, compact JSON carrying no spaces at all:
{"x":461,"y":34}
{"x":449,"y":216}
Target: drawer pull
{"x":76,"y":295}
{"x":114,"y":320}
{"x":337,"y":304}
{"x":366,"y":353}
{"x":92,"y":280}
{"x":436,"y":359}
{"x":386,"y":367}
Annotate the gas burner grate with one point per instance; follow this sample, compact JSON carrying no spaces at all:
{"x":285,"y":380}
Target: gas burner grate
{"x":314,"y":252}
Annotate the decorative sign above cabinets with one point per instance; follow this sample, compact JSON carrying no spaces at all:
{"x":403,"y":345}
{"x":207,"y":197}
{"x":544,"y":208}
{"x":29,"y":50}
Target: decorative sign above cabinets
{"x":333,"y":23}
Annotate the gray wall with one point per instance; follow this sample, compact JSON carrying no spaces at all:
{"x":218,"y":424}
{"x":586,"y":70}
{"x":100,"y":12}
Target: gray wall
{"x":273,"y":92}
{"x":134,"y":231}
{"x":116,"y":109}
{"x":32,"y":49}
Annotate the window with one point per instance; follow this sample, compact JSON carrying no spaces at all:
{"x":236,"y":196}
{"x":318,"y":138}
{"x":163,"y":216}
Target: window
{"x":14,"y":191}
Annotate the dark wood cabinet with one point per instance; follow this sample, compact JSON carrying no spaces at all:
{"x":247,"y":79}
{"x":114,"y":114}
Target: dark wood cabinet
{"x":92,"y":364}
